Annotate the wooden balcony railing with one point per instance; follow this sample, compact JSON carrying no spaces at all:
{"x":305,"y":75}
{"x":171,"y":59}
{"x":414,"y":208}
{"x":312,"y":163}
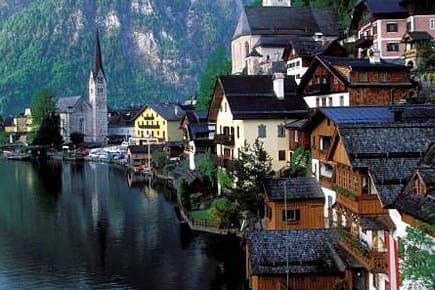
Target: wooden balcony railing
{"x":319,"y":88}
{"x":224,"y":139}
{"x":149,"y":126}
{"x":365,"y":204}
{"x":373,"y":260}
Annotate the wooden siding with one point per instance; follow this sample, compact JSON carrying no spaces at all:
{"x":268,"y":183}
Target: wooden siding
{"x":366,"y":204}
{"x":326,"y":128}
{"x":340,"y":154}
{"x":376,"y":95}
{"x":303,"y":140}
{"x":311,"y":215}
{"x":305,"y":282}
{"x":335,"y":85}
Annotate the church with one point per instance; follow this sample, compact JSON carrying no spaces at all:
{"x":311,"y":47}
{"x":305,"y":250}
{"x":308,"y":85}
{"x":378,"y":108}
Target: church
{"x":87,"y":117}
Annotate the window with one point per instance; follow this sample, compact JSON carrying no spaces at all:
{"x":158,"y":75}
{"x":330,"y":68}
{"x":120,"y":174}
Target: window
{"x":330,"y":101}
{"x":432,"y":23}
{"x":292,"y":215}
{"x":408,"y":26}
{"x":296,"y":136}
{"x":324,"y":102}
{"x":325,"y":142}
{"x":261,"y":131}
{"x":362,"y":76}
{"x":281,"y":131}
{"x":225,"y":107}
{"x":317,"y":102}
{"x":382,"y":76}
{"x":392,"y":27}
{"x":341,"y":100}
{"x":392,"y":46}
{"x":281,"y":155}
{"x":375,"y":29}
{"x":100,"y":90}
{"x":238,"y":132}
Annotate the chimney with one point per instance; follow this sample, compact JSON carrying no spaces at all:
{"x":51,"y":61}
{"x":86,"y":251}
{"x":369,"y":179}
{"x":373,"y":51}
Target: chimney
{"x":278,"y":85}
{"x":374,"y":56}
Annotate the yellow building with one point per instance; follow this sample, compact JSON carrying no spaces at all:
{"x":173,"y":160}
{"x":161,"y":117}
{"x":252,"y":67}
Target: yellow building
{"x":18,"y":127}
{"x":159,"y":123}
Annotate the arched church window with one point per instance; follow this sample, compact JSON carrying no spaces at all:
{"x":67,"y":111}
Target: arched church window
{"x":246,"y":49}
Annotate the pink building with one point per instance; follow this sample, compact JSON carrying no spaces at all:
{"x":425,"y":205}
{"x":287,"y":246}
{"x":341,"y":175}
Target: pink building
{"x":382,"y":25}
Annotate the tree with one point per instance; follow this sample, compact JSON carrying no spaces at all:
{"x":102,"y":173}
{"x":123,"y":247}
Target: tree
{"x":207,"y":168}
{"x":250,"y":171}
{"x":43,"y":105}
{"x":257,"y":3}
{"x":49,"y":131}
{"x":217,"y":64}
{"x":418,"y":258}
{"x":427,"y":58}
{"x":300,"y":164}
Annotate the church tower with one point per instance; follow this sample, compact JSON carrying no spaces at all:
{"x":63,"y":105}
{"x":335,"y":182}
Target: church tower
{"x":286,"y":3}
{"x":98,"y":97}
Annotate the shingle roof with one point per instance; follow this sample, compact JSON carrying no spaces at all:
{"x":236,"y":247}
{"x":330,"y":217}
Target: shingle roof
{"x":286,"y":21}
{"x":137,"y":149}
{"x":65,"y":103}
{"x":388,"y":152}
{"x":412,"y":36}
{"x":420,"y":206}
{"x":309,"y":251}
{"x":294,"y":188}
{"x":253,"y":97}
{"x":170,"y":112}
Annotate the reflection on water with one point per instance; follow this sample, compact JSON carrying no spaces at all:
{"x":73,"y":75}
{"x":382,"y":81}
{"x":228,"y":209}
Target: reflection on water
{"x":85,"y":225}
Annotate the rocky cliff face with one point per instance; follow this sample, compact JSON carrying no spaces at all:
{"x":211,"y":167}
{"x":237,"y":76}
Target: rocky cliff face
{"x":153,"y":50}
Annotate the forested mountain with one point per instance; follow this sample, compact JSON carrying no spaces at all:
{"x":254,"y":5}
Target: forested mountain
{"x":153,"y":50}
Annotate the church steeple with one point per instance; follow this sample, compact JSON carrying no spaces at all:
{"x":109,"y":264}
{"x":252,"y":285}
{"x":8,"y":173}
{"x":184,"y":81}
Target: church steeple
{"x":98,"y":63}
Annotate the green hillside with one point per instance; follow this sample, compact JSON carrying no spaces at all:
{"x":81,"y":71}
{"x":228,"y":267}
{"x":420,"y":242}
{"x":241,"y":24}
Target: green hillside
{"x":153,"y":50}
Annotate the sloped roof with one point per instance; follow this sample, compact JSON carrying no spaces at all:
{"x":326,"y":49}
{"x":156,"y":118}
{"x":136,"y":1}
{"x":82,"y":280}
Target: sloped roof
{"x":412,"y":36}
{"x":261,"y":20}
{"x":66,"y":103}
{"x":388,"y":152}
{"x":169,"y":111}
{"x":376,"y":222}
{"x":420,"y":206}
{"x":308,"y":251}
{"x":137,"y":149}
{"x":253,"y":97}
{"x":294,"y":189}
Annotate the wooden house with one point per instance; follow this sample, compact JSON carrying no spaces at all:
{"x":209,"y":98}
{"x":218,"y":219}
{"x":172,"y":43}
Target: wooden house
{"x":245,"y":108}
{"x":341,"y":81}
{"x":294,"y":203}
{"x":313,"y":260}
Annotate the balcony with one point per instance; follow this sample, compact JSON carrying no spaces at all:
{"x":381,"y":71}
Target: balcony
{"x":365,"y":204}
{"x":148,"y":118}
{"x":372,"y":260}
{"x":410,"y":53}
{"x":364,"y":42}
{"x":319,"y":88}
{"x":224,"y":139}
{"x":149,"y":126}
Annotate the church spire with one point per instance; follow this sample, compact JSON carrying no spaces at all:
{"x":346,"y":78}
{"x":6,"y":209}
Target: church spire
{"x":98,"y":63}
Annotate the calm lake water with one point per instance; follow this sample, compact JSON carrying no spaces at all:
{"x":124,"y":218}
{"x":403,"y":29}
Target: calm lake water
{"x":82,"y":226}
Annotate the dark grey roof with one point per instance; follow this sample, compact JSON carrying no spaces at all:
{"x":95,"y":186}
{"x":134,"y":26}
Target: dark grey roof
{"x":189,"y":176}
{"x":297,"y":124}
{"x":420,"y":206}
{"x":260,"y":20}
{"x":309,"y":251}
{"x":360,"y":63}
{"x":376,"y":222}
{"x":412,"y":36}
{"x":196,"y":116}
{"x":380,"y":9}
{"x":169,"y":111}
{"x":273,"y":41}
{"x":253,"y":97}
{"x":137,"y":149}
{"x":391,"y":151}
{"x":254,"y":53}
{"x":294,"y":188}
{"x":65,"y":103}
{"x":201,"y":128}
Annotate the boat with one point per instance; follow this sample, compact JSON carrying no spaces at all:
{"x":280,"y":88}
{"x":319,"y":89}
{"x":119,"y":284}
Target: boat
{"x":21,"y":156}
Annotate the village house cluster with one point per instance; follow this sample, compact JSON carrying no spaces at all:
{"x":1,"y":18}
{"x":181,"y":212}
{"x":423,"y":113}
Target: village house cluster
{"x":297,"y":82}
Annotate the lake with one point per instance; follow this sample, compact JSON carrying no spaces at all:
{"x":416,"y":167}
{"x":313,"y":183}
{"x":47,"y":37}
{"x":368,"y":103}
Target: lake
{"x":89,"y":226}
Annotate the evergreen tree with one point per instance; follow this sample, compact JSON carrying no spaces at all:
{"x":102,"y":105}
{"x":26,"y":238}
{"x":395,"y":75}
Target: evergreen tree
{"x":250,"y":171}
{"x":217,"y":64}
{"x":43,"y":105}
{"x":207,"y":168}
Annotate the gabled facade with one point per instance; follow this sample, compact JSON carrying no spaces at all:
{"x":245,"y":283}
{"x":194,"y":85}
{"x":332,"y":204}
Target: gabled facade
{"x":313,"y":259}
{"x":159,"y":123}
{"x":75,"y":117}
{"x":295,"y":203}
{"x":260,"y":30}
{"x":339,"y":81}
{"x":362,"y":157}
{"x":245,"y":108}
{"x":17,"y":127}
{"x":300,"y":52}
